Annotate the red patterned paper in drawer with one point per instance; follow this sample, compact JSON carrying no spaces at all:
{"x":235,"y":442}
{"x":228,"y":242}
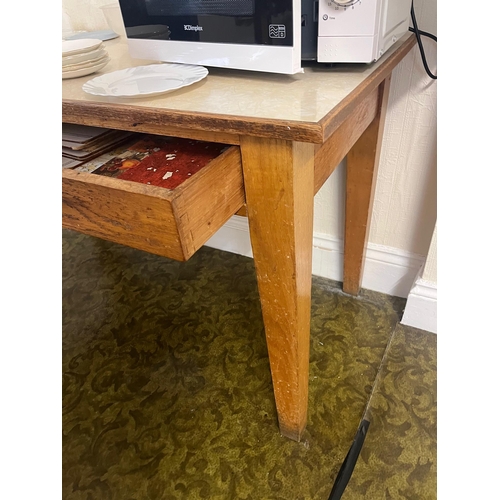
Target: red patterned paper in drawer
{"x":168,"y":161}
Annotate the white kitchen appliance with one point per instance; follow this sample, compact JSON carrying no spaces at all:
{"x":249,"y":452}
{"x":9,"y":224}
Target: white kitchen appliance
{"x":359,"y":30}
{"x":261,"y":35}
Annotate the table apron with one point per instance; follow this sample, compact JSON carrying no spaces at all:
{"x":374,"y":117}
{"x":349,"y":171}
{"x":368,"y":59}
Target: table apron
{"x":330,"y":154}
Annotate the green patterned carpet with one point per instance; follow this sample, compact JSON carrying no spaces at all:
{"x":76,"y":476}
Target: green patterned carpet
{"x":398,"y":459}
{"x":167,"y":391}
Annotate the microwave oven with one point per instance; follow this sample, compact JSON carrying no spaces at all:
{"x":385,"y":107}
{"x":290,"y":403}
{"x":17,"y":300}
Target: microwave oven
{"x":261,"y":35}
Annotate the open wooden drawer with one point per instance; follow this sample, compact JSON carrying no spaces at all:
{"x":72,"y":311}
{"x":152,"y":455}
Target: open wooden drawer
{"x":170,"y":222}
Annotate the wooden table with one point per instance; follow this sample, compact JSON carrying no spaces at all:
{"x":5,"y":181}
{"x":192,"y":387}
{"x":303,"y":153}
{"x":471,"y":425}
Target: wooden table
{"x":292,"y":132}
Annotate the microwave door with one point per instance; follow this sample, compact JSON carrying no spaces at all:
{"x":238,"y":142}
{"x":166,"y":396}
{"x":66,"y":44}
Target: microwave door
{"x":253,"y":35}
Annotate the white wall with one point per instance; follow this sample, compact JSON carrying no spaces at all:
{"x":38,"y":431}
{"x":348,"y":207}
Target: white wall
{"x":404,"y":209}
{"x":85,"y":15}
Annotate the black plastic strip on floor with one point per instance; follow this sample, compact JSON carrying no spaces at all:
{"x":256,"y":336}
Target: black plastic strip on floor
{"x":349,"y":463}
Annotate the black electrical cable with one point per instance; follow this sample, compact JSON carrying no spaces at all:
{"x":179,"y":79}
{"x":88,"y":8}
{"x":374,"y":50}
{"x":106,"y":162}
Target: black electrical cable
{"x":430,"y":35}
{"x":419,"y":41}
{"x":349,"y":463}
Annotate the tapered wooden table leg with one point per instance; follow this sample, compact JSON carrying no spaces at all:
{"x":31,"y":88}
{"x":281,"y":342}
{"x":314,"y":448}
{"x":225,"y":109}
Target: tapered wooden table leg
{"x":362,"y":166}
{"x":279,"y":185}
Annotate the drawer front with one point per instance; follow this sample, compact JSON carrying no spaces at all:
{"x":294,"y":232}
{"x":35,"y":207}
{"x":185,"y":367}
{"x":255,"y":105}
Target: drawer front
{"x":172,"y":223}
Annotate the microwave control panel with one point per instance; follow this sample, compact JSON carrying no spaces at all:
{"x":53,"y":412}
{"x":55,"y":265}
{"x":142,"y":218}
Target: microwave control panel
{"x":347,"y":17}
{"x":344,"y":3}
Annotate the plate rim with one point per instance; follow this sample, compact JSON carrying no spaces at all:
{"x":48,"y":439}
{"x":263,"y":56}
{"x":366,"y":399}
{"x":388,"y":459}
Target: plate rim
{"x":93,"y":46}
{"x":67,"y":59}
{"x":92,"y":69}
{"x":109,"y":34}
{"x":83,"y":65}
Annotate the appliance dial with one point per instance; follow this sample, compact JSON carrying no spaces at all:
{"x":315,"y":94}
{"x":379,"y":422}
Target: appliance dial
{"x":344,"y":3}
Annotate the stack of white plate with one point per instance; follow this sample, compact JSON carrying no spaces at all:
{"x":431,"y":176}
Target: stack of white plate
{"x":82,"y":57}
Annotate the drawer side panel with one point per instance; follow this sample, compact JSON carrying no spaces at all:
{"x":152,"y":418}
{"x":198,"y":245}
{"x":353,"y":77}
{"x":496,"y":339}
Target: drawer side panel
{"x":201,"y":207}
{"x":132,"y":219}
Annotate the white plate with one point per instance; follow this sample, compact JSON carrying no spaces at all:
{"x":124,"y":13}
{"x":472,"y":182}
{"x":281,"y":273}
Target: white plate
{"x":72,"y":47}
{"x":84,"y":71}
{"x":86,"y":64}
{"x":145,"y":81}
{"x":98,"y":35}
{"x":86,"y":56}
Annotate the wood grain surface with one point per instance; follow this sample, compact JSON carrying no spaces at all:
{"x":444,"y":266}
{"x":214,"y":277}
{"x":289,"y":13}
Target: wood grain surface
{"x":172,"y":223}
{"x":279,"y":183}
{"x":221,"y":127}
{"x":205,"y":202}
{"x":362,"y":166}
{"x":331,"y":153}
{"x":125,"y":212}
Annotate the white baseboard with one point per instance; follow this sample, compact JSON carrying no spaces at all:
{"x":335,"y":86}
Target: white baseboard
{"x":421,"y":306}
{"x":233,"y":236}
{"x":387,"y":270}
